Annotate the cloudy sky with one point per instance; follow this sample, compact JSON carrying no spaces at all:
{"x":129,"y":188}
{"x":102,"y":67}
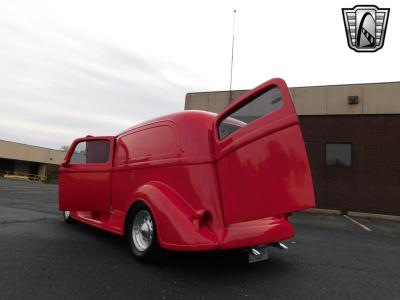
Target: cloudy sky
{"x":71,"y":68}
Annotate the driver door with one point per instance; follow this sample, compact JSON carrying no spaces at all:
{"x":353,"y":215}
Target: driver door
{"x":85,"y":175}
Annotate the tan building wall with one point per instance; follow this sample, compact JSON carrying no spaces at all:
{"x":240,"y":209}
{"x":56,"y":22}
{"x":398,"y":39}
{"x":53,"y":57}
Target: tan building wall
{"x":22,"y":152}
{"x":374,"y":98}
{"x":210,"y":101}
{"x":26,"y":161}
{"x":42,"y":170}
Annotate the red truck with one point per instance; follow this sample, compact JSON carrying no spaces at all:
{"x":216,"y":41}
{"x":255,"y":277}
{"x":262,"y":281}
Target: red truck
{"x":195,"y":180}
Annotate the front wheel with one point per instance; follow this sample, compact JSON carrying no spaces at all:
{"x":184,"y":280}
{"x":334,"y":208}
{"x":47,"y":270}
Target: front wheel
{"x":67,"y":216}
{"x":142,"y":234}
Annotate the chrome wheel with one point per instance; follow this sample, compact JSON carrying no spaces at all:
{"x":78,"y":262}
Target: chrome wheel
{"x":141,"y":233}
{"x":67,"y":213}
{"x":67,"y":216}
{"x":142,"y":230}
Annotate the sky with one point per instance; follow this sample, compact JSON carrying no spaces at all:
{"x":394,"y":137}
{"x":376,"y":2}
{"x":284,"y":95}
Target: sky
{"x":72,"y":68}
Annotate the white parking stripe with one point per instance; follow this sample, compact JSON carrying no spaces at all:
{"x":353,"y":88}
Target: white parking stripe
{"x":358,"y":223}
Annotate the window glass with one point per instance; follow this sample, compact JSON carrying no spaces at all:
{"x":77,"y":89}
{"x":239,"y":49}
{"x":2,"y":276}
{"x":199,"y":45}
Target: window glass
{"x":338,"y":155}
{"x":79,"y":154}
{"x":260,"y":106}
{"x":89,"y":152}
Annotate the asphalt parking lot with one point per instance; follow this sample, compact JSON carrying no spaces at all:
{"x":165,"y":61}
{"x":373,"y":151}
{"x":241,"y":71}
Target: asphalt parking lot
{"x":330,"y":257}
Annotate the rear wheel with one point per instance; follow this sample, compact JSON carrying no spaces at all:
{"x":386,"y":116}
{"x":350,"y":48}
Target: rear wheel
{"x":142,"y":234}
{"x":67,"y":216}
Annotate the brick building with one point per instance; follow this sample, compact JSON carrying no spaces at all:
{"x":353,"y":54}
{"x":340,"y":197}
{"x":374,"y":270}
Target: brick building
{"x":352,"y":135}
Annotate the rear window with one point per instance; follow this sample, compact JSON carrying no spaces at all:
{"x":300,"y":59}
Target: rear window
{"x":259,"y":107}
{"x":148,"y":144}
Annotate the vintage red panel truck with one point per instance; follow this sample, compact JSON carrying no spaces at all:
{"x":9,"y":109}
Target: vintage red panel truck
{"x":194,"y":180}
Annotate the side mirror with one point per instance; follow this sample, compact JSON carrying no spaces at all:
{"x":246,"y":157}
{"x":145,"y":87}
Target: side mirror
{"x":64,"y":163}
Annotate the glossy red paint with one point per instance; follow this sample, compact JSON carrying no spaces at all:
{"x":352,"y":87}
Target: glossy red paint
{"x":203,"y":191}
{"x":269,"y":153}
{"x":86,"y":186}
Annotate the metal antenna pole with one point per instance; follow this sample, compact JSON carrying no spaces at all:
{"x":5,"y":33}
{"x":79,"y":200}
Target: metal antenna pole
{"x":233,"y":43}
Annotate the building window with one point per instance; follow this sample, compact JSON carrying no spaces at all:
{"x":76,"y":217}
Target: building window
{"x":338,"y":155}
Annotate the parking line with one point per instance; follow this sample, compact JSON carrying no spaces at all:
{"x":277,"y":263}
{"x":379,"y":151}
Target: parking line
{"x":358,"y":223}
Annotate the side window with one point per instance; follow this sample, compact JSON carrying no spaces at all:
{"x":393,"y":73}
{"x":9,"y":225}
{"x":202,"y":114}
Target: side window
{"x":338,"y":155}
{"x":259,"y":107}
{"x":79,"y":154}
{"x":91,"y":152}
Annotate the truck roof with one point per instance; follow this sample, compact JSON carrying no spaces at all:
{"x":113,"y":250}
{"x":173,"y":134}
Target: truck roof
{"x":183,"y":118}
{"x":193,"y":128}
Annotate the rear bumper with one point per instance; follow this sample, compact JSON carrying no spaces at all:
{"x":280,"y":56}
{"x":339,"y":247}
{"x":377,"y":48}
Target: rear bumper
{"x":240,"y":235}
{"x":256,"y":232}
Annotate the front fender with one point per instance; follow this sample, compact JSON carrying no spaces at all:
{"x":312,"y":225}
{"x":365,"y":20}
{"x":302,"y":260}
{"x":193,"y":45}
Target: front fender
{"x":178,"y":224}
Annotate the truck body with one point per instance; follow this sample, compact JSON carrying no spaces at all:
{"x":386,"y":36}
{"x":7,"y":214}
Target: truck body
{"x":208,"y":181}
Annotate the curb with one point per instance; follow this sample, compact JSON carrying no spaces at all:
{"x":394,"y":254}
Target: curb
{"x":373,"y":216}
{"x":321,"y":211}
{"x":16,"y":177}
{"x":335,"y":212}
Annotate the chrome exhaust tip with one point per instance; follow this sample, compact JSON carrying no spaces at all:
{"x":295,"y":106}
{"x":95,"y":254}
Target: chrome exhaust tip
{"x":279,"y":246}
{"x":255,"y":252}
{"x":258,"y":253}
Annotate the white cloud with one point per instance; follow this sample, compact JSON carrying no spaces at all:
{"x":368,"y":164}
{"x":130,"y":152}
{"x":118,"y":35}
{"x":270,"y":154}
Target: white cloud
{"x":78,"y":67}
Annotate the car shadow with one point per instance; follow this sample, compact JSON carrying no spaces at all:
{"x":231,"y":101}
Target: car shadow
{"x":217,"y":261}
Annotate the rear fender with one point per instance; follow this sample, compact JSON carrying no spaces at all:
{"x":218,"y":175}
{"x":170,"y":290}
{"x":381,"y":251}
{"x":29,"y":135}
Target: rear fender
{"x":179,"y":226}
